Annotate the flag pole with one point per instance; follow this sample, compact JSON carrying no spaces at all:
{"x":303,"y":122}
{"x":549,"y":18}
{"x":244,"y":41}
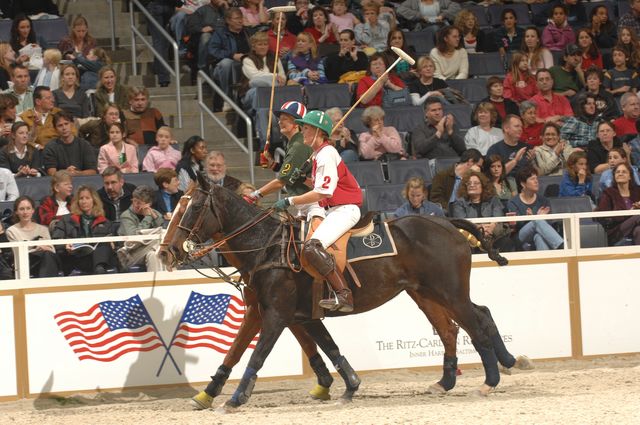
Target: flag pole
{"x":168,"y":353}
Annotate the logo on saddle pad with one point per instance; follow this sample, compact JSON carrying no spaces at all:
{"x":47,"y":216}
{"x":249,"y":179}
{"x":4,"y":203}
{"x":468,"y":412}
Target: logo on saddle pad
{"x":372,"y":241}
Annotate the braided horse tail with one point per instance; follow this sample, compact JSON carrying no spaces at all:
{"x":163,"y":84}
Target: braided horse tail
{"x":477,"y":240}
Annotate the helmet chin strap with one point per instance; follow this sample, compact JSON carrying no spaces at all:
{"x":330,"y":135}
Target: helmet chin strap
{"x":315,"y":136}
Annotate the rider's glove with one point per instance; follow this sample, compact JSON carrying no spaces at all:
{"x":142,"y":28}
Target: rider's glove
{"x":282,"y":204}
{"x":253,"y":197}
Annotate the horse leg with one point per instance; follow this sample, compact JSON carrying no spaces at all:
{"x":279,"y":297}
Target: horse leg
{"x":319,"y":333}
{"x":321,"y":390}
{"x":448,"y":332}
{"x":464,"y":314}
{"x":250,"y":326}
{"x":505,"y":358}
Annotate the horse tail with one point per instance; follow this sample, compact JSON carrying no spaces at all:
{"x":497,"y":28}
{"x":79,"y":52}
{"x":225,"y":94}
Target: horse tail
{"x":487,"y":246}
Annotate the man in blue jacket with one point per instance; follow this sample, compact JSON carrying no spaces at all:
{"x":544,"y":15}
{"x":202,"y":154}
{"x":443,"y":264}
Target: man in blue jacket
{"x":227,"y":47}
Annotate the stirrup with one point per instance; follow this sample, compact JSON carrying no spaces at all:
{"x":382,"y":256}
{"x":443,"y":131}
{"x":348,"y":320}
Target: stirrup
{"x":333,"y":303}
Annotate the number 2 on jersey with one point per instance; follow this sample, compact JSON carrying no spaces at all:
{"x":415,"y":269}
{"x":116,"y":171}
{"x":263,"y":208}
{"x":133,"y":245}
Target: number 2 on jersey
{"x":326,"y":180}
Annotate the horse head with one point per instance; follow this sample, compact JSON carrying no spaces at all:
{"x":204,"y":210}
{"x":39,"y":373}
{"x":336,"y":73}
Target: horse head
{"x":195,"y":220}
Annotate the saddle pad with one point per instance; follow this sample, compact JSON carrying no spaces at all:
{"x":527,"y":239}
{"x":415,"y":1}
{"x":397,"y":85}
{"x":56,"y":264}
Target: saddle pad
{"x":378,"y":243}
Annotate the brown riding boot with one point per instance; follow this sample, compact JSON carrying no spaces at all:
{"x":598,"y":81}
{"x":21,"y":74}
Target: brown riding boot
{"x":344,"y":299}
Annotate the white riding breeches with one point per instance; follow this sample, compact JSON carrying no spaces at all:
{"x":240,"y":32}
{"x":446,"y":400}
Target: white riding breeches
{"x":338,"y":220}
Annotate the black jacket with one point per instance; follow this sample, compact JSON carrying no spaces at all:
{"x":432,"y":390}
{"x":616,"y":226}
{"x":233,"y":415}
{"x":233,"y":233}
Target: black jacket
{"x":124,"y":202}
{"x":159,"y":205}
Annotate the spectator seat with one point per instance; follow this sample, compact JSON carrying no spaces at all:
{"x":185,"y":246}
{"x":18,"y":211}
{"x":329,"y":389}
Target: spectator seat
{"x":401,"y":171}
{"x":280,"y":96}
{"x":404,"y":118}
{"x":549,"y":186}
{"x":485,"y":64}
{"x":570,"y":204}
{"x":461,"y":114}
{"x":440,"y":164}
{"x":367,"y":172}
{"x":324,"y":96}
{"x":421,"y":41}
{"x":473,"y":89}
{"x":261,"y":122}
{"x":354,"y":121}
{"x":623,"y":8}
{"x":384,"y":198}
{"x":35,"y":188}
{"x":480,"y":13}
{"x":588,"y":7}
{"x":51,"y":30}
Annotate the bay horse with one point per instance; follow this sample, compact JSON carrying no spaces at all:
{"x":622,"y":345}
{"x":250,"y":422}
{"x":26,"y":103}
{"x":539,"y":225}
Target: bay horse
{"x":433,"y":266}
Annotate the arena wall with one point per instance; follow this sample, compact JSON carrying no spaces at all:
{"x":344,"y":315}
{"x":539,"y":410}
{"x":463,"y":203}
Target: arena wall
{"x":553,"y":305}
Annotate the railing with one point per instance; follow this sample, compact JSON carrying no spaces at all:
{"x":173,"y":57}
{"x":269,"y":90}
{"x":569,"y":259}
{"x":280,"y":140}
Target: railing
{"x":175,"y":72}
{"x":248,"y":149}
{"x":112,"y":24}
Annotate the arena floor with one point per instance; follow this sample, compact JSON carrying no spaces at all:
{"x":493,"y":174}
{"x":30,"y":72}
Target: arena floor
{"x":594,"y":391}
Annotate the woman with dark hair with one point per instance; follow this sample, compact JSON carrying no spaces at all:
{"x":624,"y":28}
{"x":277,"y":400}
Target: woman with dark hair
{"x":616,"y":156}
{"x":69,"y":97}
{"x":590,"y":53}
{"x":194,"y":152}
{"x":509,"y":36}
{"x":598,"y":149}
{"x":603,"y":30}
{"x":118,"y":153}
{"x":505,"y":187}
{"x":538,"y":233}
{"x":348,"y":64}
{"x":576,"y":179}
{"x":377,"y":67}
{"x":580,"y":129}
{"x":477,"y":199}
{"x":42,"y":259}
{"x":472,"y":38}
{"x":109,"y":90}
{"x":79,"y":41}
{"x":621,"y":196}
{"x":558,"y":34}
{"x":86,"y":220}
{"x":22,"y":34}
{"x":451,"y":60}
{"x":319,"y":26}
{"x":538,"y":57}
{"x":551,"y":158}
{"x":606,"y":106}
{"x":403,"y":69}
{"x":20,"y":155}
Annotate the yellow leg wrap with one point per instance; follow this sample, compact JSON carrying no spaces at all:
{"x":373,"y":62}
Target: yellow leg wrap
{"x":320,"y":393}
{"x":201,"y":401}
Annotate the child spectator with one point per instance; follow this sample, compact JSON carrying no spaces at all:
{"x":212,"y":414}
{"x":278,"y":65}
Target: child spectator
{"x":49,"y":74}
{"x":576,"y":180}
{"x":590,"y":53}
{"x":403,"y":69}
{"x":90,"y":65}
{"x":568,"y":78}
{"x":606,"y":106}
{"x":603,"y":29}
{"x":305,"y":66}
{"x":620,"y":79}
{"x":558,"y":34}
{"x":519,"y":84}
{"x":340,"y":17}
{"x":162,"y":155}
{"x":503,"y":106}
{"x":372,"y":33}
{"x":628,"y":40}
{"x":616,"y":156}
{"x":117,"y":153}
{"x":168,"y":194}
{"x":416,"y":194}
{"x":254,"y":13}
{"x":473,"y":39}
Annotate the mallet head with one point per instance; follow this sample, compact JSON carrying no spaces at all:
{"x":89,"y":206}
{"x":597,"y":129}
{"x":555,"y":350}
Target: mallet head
{"x":282,"y":9}
{"x":403,"y":55}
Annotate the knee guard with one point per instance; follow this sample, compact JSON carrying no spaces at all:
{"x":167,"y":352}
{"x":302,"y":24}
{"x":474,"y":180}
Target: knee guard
{"x":318,"y":257}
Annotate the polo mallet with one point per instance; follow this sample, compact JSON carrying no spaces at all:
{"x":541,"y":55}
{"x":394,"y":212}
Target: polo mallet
{"x":265,"y":156}
{"x":401,"y":55}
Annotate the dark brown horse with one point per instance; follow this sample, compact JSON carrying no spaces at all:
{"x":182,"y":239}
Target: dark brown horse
{"x":433,"y":266}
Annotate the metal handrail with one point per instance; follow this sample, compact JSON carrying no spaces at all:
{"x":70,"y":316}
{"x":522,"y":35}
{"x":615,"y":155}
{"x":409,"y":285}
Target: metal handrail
{"x":112,"y":23}
{"x":203,"y":77}
{"x":175,"y":72}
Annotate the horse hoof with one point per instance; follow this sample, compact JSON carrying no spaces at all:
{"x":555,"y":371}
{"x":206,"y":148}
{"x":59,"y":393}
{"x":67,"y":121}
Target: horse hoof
{"x":201,"y":401}
{"x":346,"y":398}
{"x":436,"y":389}
{"x":320,"y":393}
{"x":228,"y":407}
{"x":504,"y":370}
{"x":483,"y":391}
{"x":523,"y":363}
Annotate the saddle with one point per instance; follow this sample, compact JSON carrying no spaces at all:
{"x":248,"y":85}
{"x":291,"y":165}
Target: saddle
{"x":339,"y":250}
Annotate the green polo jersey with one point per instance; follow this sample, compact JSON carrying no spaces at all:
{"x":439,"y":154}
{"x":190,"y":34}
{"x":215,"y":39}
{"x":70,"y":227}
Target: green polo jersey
{"x":297,"y":154}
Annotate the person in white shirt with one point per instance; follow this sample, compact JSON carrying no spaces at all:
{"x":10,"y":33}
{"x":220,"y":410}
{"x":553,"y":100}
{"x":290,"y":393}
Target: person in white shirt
{"x":8,"y":187}
{"x":484,"y":135}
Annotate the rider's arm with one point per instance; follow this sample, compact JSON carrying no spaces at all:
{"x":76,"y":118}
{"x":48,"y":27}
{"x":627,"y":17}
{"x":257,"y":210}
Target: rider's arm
{"x":271,"y":187}
{"x":308,"y":198}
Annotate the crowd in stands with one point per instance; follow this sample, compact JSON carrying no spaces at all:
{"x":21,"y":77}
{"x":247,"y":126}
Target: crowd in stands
{"x":562,"y":101}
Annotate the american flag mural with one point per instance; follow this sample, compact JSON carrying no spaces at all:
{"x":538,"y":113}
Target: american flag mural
{"x":109,"y":330}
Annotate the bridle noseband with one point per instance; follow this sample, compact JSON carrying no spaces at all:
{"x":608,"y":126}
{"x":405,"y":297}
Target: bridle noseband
{"x":189,"y":245}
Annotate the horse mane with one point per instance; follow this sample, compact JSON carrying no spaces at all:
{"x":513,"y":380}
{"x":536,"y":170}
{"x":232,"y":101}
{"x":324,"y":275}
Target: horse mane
{"x":191,"y":188}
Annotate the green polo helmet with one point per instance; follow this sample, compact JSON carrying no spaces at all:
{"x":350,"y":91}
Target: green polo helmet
{"x":317,"y":119}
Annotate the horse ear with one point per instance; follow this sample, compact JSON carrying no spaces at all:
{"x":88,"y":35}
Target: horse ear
{"x":203,"y":181}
